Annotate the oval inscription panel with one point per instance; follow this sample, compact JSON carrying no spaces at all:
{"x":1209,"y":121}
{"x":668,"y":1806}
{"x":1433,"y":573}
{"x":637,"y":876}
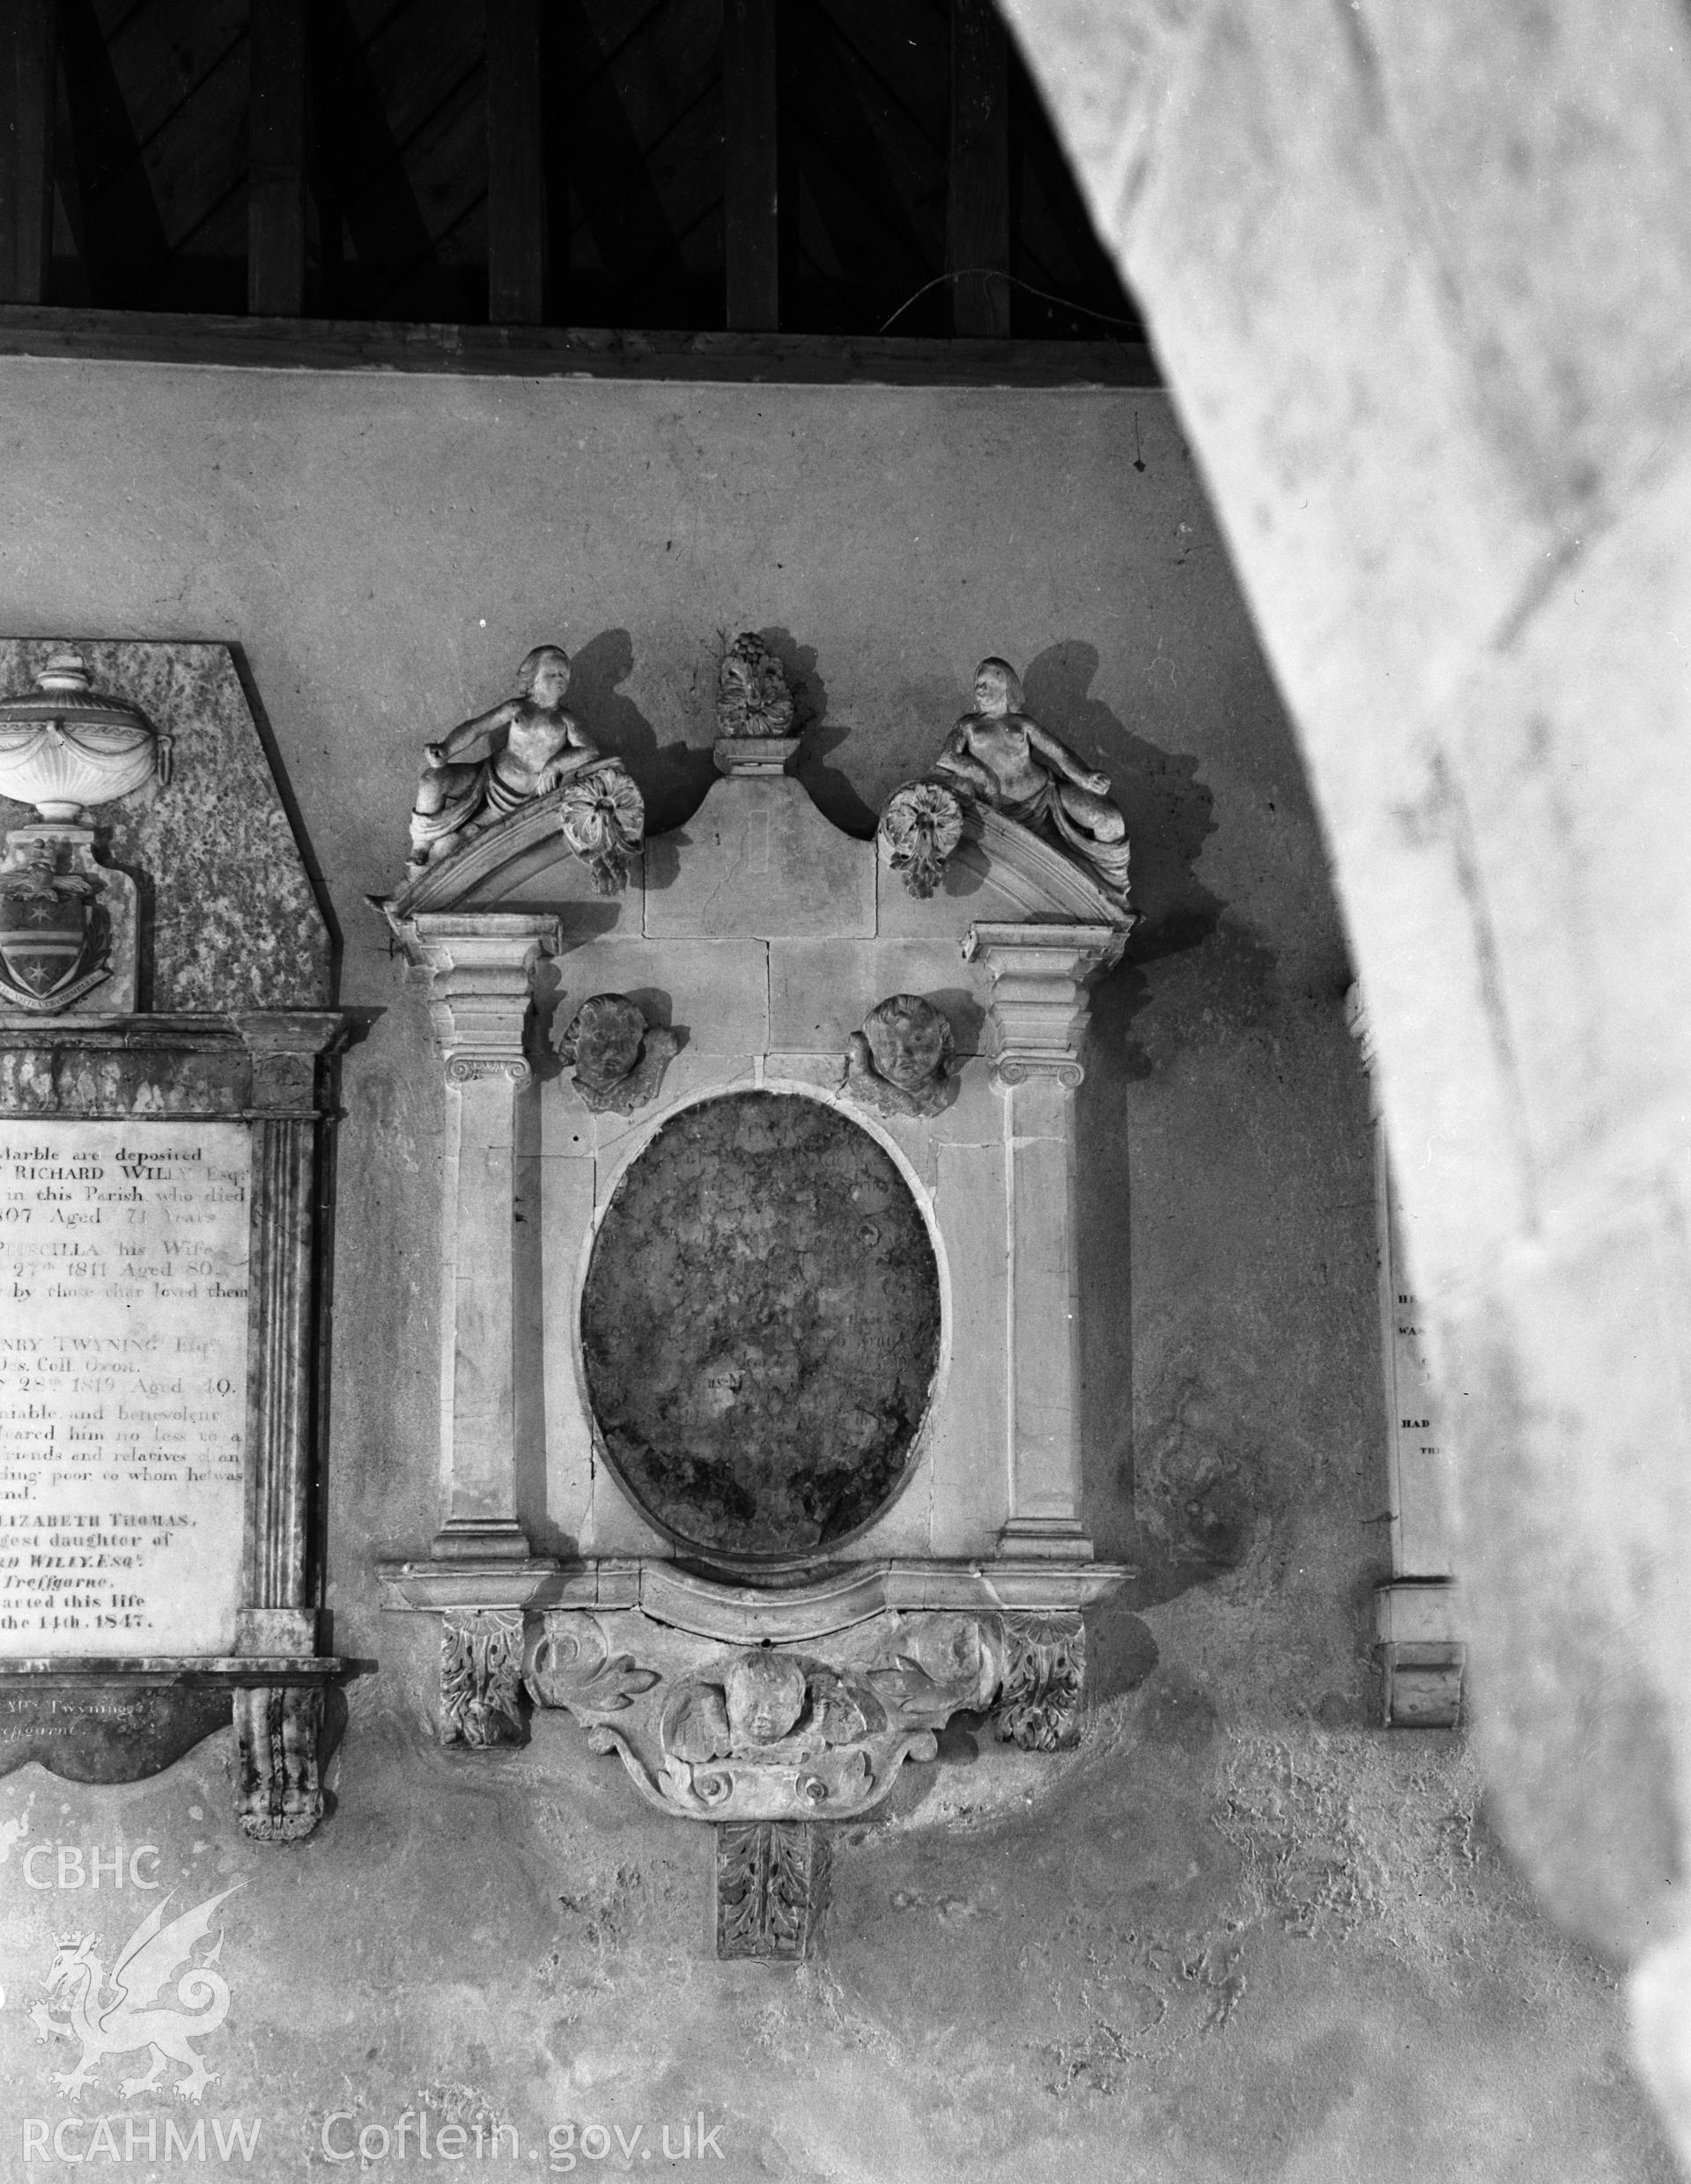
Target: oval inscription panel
{"x":761,"y":1327}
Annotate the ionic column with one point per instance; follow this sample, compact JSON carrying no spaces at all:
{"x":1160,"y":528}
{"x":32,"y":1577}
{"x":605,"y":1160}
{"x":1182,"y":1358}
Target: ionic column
{"x":1039,"y":1014}
{"x":482,"y":967}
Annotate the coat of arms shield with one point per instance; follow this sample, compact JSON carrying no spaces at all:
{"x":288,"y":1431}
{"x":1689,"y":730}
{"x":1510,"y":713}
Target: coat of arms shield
{"x":53,"y":934}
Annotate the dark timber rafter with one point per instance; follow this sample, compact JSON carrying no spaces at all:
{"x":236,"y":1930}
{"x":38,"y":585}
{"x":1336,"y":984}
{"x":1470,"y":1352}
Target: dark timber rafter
{"x":977,"y":212}
{"x":751,"y":189}
{"x":609,"y":164}
{"x":276,"y":199}
{"x":28,"y":71}
{"x":746,"y":165}
{"x":123,"y":240}
{"x":863,"y":209}
{"x":516,"y":164}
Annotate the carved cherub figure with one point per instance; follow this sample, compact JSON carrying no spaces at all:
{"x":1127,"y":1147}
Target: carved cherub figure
{"x":619,"y":1058}
{"x":752,"y":697}
{"x":900,"y":1062}
{"x":765,"y":1693}
{"x":1001,"y":757}
{"x":696,"y":1724}
{"x":528,"y":744}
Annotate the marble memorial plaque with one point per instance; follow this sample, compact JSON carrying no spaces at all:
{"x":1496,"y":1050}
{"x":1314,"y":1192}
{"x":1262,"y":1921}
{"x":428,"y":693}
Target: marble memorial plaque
{"x":1419,"y":1456}
{"x":123,"y":1273}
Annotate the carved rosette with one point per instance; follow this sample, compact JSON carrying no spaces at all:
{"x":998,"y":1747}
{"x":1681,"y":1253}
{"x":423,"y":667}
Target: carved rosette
{"x":481,"y":1678}
{"x":1044,"y":1664}
{"x":278,"y":1795}
{"x":919,"y":831}
{"x":602,"y":817}
{"x":816,"y":1731}
{"x":771,"y":1889}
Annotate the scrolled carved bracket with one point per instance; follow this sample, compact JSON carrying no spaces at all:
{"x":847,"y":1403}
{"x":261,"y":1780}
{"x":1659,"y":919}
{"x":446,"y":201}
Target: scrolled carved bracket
{"x":481,"y":1678}
{"x":1045,"y":1665}
{"x":278,"y":1794}
{"x":719,"y":1732}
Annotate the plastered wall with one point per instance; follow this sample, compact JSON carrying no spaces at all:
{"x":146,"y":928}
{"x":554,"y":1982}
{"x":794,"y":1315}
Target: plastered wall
{"x":1240,"y":1934}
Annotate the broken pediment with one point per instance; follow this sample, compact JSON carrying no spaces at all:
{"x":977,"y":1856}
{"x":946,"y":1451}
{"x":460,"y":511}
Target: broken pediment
{"x":759,"y":860}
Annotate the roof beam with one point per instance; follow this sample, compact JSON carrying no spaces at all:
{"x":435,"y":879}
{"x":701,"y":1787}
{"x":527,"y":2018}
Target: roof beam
{"x":28,"y":74}
{"x":276,"y":202}
{"x":978,"y":202}
{"x":751,"y":186}
{"x":516,"y":173}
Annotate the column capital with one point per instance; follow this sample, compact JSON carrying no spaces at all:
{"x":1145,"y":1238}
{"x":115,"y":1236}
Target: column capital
{"x":286,"y":1047}
{"x":1039,"y":1005}
{"x":481,"y":967}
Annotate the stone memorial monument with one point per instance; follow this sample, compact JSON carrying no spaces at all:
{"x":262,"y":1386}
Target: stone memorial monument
{"x":803,"y":1501}
{"x":164,"y":1032}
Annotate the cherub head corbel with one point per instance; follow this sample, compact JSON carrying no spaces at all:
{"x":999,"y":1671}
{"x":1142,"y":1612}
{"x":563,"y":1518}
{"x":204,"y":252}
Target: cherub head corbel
{"x":900,"y":1062}
{"x":765,"y":1694}
{"x":619,"y":1058}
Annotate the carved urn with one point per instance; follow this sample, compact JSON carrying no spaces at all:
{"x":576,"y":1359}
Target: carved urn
{"x":65,"y":745}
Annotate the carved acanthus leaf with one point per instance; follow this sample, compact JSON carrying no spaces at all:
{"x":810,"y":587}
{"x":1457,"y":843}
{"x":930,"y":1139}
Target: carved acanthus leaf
{"x":771,"y":1889}
{"x":481,"y":1677}
{"x":1044,"y":1664}
{"x":574,"y":1667}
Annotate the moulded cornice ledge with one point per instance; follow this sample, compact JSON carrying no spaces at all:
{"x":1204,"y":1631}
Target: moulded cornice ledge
{"x":746,"y":1614}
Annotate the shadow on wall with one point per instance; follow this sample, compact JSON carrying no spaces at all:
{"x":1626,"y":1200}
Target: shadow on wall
{"x":1187,"y":1517}
{"x":832,"y":794}
{"x":673,"y":776}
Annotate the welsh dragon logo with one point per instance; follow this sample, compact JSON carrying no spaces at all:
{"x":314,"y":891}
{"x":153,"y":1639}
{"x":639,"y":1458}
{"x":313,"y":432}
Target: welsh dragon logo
{"x":118,"y":2023}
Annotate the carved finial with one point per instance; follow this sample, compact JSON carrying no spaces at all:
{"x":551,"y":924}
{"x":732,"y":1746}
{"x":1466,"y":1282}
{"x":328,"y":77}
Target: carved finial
{"x":900,"y":1062}
{"x":754,"y":709}
{"x":619,"y":1058}
{"x":752,"y":696}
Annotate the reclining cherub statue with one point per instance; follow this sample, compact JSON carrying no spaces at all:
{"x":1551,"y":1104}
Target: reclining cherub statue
{"x":526,"y":745}
{"x":1001,"y":756}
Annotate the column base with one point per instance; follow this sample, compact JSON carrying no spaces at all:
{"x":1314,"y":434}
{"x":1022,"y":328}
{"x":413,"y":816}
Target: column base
{"x":477,"y":1539}
{"x":1059,"y":1537}
{"x":1422,"y":1660}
